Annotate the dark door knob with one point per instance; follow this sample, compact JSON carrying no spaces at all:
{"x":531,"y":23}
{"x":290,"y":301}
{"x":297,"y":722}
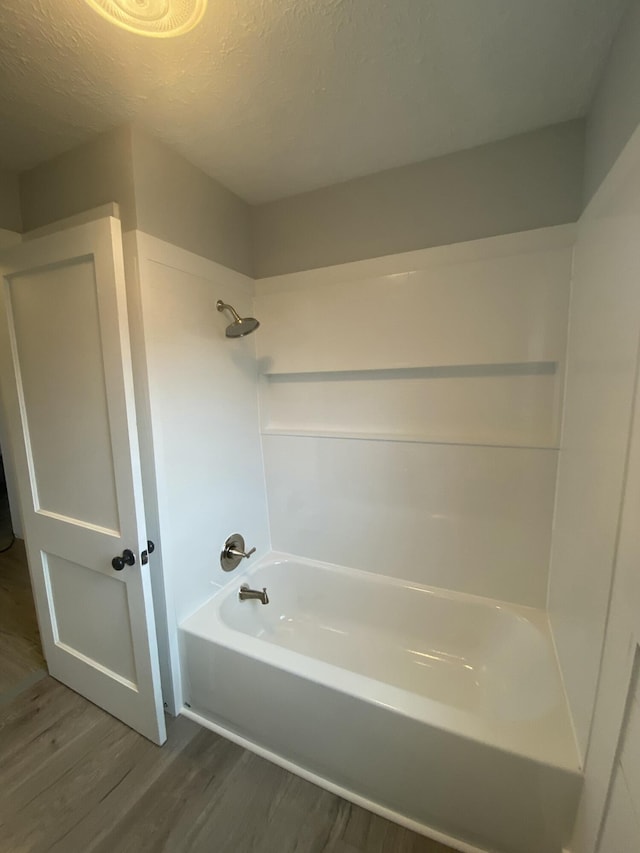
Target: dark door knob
{"x":128,"y":559}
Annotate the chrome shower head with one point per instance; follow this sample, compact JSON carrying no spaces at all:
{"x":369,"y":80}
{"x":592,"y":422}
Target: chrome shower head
{"x":241,"y":326}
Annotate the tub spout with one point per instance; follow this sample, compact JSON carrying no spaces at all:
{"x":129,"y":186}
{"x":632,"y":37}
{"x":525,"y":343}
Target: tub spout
{"x":247,"y":594}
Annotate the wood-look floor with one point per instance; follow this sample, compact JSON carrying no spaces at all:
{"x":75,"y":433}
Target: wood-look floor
{"x":75,"y":780}
{"x":20,"y":650}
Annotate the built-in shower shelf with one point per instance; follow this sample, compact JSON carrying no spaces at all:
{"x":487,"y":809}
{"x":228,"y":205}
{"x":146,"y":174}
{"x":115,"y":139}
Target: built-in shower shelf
{"x":411,"y":438}
{"x":495,"y":405}
{"x":424,"y":371}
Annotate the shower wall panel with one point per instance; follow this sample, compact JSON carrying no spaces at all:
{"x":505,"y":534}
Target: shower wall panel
{"x":602,"y":364}
{"x":471,"y":518}
{"x":411,"y":409}
{"x":197,"y":401}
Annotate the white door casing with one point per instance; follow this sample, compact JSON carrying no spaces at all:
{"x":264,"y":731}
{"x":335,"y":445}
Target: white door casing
{"x":65,"y":373}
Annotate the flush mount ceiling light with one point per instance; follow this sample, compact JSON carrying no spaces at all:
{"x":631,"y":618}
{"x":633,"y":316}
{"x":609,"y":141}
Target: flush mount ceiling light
{"x":156,"y":18}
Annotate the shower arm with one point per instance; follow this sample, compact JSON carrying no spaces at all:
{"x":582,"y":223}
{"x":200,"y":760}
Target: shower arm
{"x":222,"y":306}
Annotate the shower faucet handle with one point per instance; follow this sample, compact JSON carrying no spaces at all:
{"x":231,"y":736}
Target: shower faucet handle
{"x":236,"y":553}
{"x":233,"y":551}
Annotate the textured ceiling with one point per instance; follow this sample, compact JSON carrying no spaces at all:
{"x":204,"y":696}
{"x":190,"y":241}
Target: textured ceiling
{"x":274,"y":97}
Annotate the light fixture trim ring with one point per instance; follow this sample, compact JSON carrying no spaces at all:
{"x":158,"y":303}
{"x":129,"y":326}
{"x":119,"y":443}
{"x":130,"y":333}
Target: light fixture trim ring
{"x":152,"y":18}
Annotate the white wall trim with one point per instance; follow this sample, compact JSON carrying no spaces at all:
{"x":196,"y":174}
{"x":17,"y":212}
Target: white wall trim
{"x":155,"y":249}
{"x":111,"y":209}
{"x":8,"y":239}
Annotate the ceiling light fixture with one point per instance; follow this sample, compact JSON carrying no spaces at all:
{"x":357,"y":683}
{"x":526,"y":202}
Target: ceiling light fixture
{"x":155,"y":18}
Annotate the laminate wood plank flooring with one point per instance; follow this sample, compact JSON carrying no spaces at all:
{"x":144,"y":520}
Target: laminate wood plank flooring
{"x":75,"y":780}
{"x":20,"y":649}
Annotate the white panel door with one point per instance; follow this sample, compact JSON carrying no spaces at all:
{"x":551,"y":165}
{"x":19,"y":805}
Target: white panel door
{"x":68,"y":391}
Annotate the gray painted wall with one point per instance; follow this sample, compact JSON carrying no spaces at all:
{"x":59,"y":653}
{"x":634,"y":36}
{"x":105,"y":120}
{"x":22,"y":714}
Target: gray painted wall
{"x":9,"y":201}
{"x":157,"y":190}
{"x":98,"y":172}
{"x":177,"y":202}
{"x":528,"y":181}
{"x":615,"y":109}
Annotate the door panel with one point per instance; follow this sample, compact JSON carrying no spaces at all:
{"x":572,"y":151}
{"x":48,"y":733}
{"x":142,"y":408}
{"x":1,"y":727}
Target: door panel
{"x":68,"y":390}
{"x":62,"y":392}
{"x":100,"y":629}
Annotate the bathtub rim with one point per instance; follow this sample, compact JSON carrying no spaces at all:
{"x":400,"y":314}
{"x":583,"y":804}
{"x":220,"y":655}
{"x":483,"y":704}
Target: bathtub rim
{"x":394,"y":699}
{"x":538,"y":616}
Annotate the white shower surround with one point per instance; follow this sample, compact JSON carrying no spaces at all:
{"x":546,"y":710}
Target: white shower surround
{"x":396,"y":693}
{"x":411,"y":411}
{"x":465,"y":510}
{"x":200,"y":419}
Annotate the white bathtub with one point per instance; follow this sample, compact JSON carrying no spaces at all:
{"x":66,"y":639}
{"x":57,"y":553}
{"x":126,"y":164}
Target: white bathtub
{"x":443,"y":710}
